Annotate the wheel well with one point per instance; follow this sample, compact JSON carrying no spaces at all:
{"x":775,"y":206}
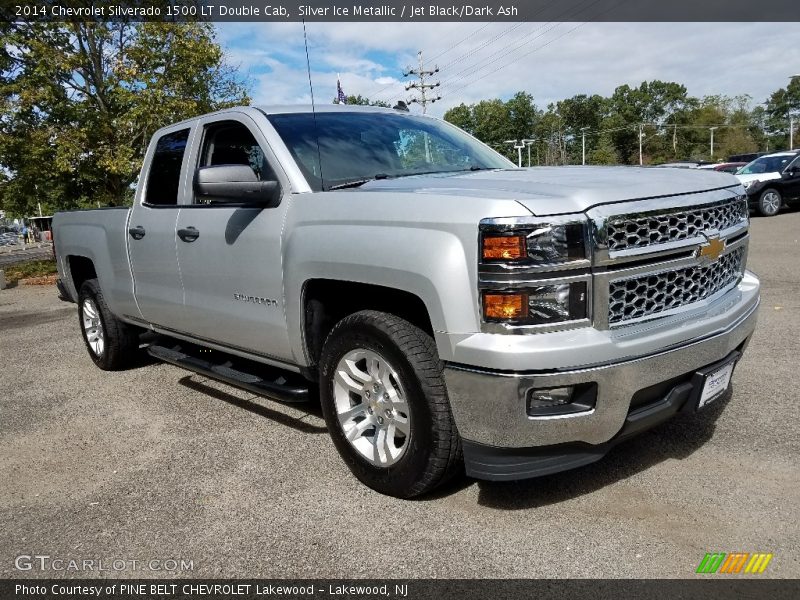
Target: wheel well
{"x":326,"y":302}
{"x":81,"y":269}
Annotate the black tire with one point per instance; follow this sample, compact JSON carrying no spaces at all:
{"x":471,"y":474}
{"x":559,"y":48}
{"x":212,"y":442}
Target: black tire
{"x":120,"y":340}
{"x":767,"y":206}
{"x":433,"y":454}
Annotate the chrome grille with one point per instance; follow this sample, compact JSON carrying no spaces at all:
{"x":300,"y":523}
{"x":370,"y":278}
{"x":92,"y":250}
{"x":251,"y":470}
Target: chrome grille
{"x":652,"y":294}
{"x":639,"y":231}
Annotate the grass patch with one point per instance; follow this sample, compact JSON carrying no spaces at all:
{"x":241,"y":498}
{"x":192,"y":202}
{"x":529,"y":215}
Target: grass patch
{"x":33,"y":268}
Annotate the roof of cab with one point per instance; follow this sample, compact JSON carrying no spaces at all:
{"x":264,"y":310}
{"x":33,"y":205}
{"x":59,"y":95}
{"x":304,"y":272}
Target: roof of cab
{"x":307,"y":108}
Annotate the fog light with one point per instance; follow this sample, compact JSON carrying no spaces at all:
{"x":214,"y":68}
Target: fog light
{"x":560,"y":401}
{"x":546,"y":398}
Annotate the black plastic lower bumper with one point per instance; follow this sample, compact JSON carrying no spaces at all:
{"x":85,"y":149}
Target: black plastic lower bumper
{"x":509,"y":464}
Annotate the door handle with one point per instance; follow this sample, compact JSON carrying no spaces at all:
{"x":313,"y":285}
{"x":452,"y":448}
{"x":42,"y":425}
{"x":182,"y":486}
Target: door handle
{"x":189,"y":234}
{"x":137,"y":232}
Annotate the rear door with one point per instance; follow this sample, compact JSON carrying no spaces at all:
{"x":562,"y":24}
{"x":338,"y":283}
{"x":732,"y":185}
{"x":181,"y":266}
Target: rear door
{"x":151,"y":230}
{"x":230,"y":255}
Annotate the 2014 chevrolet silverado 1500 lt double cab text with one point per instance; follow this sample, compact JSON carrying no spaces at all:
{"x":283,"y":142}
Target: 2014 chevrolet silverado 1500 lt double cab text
{"x":450,"y":308}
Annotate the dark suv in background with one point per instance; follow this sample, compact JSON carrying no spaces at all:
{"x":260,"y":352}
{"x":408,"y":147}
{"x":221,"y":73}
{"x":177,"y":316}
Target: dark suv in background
{"x":772,"y":181}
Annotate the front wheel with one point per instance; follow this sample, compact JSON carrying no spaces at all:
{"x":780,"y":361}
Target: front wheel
{"x":112,"y":344}
{"x":769,"y":203}
{"x":385,"y":403}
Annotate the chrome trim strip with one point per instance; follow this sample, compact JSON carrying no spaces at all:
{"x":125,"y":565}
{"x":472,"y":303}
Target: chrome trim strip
{"x":604,"y":257}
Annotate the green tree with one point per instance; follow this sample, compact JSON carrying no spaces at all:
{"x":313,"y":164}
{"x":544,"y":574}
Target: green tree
{"x":604,"y":152}
{"x":781,"y":105}
{"x":360,"y":100}
{"x":81,"y":100}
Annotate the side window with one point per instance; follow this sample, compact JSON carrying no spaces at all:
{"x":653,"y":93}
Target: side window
{"x":165,"y":169}
{"x":231,"y":143}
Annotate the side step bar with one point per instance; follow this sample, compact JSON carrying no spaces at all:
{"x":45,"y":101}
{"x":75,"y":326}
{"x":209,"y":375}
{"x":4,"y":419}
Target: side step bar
{"x":275,"y":385}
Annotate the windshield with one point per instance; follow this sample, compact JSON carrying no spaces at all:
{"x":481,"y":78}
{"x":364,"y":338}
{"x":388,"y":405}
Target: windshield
{"x":359,"y":146}
{"x":766,"y":164}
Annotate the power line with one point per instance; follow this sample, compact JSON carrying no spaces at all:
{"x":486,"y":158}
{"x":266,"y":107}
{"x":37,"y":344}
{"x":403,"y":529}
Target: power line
{"x":516,"y":45}
{"x":516,"y":59}
{"x":581,"y":9}
{"x":473,"y":51}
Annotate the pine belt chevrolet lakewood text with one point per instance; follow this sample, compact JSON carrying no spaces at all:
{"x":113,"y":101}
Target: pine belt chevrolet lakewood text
{"x":452,"y":310}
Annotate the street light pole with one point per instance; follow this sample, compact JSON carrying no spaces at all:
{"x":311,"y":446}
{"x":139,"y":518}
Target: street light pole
{"x":583,"y":145}
{"x":712,"y":141}
{"x":528,"y":144}
{"x":641,"y":137}
{"x":518,"y":146}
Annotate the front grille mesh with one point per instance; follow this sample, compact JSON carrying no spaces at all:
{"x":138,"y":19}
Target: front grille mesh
{"x":652,"y":294}
{"x":639,"y":231}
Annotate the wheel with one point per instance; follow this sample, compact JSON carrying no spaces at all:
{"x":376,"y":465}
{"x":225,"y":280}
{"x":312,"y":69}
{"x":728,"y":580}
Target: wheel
{"x":112,"y":344}
{"x":769,"y":203}
{"x":385,"y":403}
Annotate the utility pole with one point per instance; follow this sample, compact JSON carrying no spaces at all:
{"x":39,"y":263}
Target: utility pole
{"x":583,"y":145}
{"x":528,"y":144}
{"x":421,"y":85}
{"x":518,"y":145}
{"x":712,"y":141}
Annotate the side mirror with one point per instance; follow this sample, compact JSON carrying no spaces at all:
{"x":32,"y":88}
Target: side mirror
{"x":235,"y":184}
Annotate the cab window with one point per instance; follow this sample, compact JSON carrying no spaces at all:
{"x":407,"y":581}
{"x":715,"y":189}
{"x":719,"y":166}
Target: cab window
{"x":163,"y":182}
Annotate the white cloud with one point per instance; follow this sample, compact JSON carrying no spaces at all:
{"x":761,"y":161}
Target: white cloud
{"x":551,"y":61}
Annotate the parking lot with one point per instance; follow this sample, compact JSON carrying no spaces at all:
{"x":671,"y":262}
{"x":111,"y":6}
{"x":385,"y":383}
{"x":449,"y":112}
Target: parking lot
{"x":158,"y":464}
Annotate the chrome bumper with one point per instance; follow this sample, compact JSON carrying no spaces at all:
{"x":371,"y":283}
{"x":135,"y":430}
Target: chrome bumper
{"x":489,"y":406}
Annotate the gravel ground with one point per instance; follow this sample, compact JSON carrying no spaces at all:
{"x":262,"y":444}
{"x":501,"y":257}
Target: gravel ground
{"x":156,"y":463}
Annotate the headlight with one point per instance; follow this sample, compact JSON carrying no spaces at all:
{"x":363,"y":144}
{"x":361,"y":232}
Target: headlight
{"x":534,"y":271}
{"x":748,"y":184}
{"x":545,"y":242}
{"x":544,"y":304}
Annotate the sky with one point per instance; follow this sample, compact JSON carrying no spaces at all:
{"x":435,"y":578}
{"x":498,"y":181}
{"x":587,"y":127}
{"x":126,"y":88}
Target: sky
{"x":477,"y":61}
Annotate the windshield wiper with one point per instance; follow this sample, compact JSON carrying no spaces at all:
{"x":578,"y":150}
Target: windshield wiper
{"x":357,"y":182}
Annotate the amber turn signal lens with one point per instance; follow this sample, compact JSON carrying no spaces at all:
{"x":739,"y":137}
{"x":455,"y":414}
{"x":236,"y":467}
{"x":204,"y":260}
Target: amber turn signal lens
{"x":505,"y":307}
{"x":504,"y":247}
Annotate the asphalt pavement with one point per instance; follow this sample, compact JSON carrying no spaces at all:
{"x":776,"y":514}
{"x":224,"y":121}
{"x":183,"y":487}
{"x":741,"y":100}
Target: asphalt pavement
{"x":155,"y":463}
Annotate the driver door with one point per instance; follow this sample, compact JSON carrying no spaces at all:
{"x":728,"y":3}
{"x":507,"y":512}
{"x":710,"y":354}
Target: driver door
{"x":229,"y":255}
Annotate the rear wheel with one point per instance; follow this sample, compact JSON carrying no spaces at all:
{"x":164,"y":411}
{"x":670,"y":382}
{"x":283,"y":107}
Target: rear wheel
{"x":769,"y":203}
{"x":112,"y":344}
{"x":385,"y":403}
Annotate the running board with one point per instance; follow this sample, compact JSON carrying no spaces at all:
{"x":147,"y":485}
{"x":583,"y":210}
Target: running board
{"x":274,"y":384}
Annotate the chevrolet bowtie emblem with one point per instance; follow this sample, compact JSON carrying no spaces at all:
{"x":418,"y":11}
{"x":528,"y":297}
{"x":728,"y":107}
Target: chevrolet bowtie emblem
{"x":711,"y":250}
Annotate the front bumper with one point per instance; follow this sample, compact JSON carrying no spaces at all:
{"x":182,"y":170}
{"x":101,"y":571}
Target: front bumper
{"x":489,"y":406}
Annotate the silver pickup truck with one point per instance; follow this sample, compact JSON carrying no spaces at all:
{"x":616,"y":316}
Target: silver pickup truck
{"x":452,"y":311}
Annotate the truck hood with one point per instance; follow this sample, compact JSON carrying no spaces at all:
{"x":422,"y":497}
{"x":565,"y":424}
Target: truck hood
{"x":560,"y":190}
